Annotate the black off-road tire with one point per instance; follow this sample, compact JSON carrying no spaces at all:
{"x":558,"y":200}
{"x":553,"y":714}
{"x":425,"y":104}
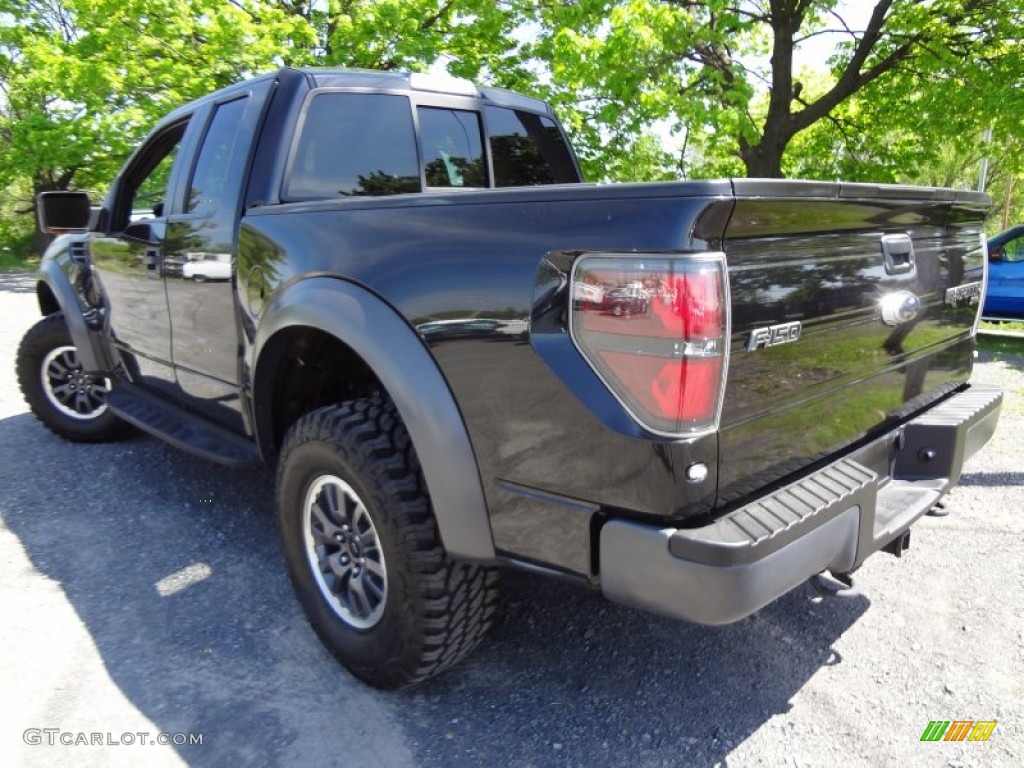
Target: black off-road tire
{"x":79,"y":415}
{"x":434,"y":610}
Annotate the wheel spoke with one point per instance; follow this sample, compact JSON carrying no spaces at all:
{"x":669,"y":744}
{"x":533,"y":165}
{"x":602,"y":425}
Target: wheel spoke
{"x":371,"y":550}
{"x":329,"y":496}
{"x":371,"y":587}
{"x":358,"y":595}
{"x":368,"y":538}
{"x":375,"y":568}
{"x":333,"y":581}
{"x":57,"y":371}
{"x":349,"y":506}
{"x":328,"y":527}
{"x":67,"y":362}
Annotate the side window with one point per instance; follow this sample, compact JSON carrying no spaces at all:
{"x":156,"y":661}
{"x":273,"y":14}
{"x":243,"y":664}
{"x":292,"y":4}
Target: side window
{"x":453,"y":152}
{"x":528,"y":149}
{"x":214,"y":165}
{"x":1014,"y":250}
{"x":145,"y":193}
{"x":354,"y":144}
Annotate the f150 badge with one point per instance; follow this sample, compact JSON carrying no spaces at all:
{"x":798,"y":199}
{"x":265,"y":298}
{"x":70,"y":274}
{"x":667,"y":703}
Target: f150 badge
{"x":969,"y":294}
{"x":772,"y":336}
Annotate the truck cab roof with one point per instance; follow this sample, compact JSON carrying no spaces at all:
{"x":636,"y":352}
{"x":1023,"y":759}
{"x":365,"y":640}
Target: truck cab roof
{"x":375,"y":80}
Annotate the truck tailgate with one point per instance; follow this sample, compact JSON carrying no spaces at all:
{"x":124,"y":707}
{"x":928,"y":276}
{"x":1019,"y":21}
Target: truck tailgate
{"x":812,"y":253}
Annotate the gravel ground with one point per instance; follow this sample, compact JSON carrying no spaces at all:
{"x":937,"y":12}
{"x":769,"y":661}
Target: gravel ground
{"x":142,"y":590}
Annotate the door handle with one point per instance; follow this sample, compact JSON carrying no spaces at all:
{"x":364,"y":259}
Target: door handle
{"x":151,"y":259}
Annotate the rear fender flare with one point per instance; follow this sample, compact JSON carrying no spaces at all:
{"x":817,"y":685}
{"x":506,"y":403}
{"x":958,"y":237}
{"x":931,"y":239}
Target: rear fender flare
{"x":403,"y":364}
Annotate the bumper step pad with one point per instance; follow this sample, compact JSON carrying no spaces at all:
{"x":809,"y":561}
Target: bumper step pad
{"x":770,"y":523}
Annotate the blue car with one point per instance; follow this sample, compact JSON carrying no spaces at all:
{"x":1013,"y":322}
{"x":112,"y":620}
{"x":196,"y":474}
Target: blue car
{"x":1005,"y":295}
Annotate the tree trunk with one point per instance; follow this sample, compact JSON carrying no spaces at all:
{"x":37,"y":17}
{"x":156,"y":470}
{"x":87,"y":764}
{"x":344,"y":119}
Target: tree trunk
{"x":1006,"y":202}
{"x":764,"y":159}
{"x":40,"y":241}
{"x":763,"y":162}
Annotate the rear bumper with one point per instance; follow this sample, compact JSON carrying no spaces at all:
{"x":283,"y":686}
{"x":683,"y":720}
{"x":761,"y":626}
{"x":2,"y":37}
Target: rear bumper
{"x":832,"y":520}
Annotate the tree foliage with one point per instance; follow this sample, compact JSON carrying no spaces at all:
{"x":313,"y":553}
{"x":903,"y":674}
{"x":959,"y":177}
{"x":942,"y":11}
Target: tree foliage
{"x":724,"y":69}
{"x":83,"y":80}
{"x":906,"y":96}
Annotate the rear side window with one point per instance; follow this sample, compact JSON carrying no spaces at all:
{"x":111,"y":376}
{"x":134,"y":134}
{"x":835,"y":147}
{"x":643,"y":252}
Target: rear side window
{"x":528,"y":149}
{"x":453,"y":152}
{"x":354,"y":144}
{"x":214,"y":166}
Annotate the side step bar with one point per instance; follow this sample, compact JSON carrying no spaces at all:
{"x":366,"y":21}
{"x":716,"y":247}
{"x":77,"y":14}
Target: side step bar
{"x":180,"y":428}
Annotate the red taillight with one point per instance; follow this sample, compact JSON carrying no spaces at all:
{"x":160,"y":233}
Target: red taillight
{"x":655,"y":330}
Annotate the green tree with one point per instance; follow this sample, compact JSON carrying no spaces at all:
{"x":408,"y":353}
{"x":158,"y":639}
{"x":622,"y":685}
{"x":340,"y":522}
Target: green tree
{"x":642,"y":159}
{"x":724,"y":70}
{"x":905,"y":98}
{"x":83,"y":80}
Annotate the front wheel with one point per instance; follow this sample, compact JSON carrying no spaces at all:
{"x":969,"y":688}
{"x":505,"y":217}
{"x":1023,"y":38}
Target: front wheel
{"x":69,"y":401}
{"x":363,"y":550}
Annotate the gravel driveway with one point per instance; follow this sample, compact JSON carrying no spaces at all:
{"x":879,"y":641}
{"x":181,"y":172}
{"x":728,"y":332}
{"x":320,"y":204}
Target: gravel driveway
{"x":142,"y":590}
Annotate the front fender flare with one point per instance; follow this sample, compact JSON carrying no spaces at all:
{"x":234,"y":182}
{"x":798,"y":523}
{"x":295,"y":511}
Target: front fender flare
{"x":54,"y":271}
{"x":403,"y":364}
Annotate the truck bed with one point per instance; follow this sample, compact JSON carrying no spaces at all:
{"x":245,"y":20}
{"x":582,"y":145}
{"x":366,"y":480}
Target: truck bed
{"x":485,"y":276}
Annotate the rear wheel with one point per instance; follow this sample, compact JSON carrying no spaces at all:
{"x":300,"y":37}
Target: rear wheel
{"x":363,"y":549}
{"x":69,"y":401}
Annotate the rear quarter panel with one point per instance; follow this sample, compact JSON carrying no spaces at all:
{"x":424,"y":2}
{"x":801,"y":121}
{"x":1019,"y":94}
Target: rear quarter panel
{"x":473,"y":272}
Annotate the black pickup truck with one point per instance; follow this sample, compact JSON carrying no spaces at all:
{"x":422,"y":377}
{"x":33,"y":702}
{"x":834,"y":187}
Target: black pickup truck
{"x":396,"y":291}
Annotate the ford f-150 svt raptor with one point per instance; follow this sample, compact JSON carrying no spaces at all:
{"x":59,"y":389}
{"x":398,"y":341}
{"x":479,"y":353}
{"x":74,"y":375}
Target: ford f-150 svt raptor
{"x":693,"y":396}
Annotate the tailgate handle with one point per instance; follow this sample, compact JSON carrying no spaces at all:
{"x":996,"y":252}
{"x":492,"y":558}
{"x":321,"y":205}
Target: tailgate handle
{"x":898,"y":253}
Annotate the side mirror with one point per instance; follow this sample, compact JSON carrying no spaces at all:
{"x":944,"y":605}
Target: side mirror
{"x":63,"y":211}
{"x":140,"y":232}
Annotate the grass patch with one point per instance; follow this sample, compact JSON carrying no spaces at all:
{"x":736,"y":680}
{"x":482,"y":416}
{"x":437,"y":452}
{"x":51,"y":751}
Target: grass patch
{"x":1001,"y":344}
{"x":9,"y":262}
{"x":1014,"y":325}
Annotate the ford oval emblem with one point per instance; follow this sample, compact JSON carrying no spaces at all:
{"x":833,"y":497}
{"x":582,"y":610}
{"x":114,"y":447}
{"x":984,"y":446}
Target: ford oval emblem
{"x":900,"y":307}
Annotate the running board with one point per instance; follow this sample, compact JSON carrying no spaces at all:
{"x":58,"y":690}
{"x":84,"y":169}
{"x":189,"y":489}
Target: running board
{"x":180,"y":428}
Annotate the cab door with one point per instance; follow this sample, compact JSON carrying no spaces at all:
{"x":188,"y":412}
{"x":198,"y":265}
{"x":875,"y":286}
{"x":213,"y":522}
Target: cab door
{"x":201,"y":243}
{"x":129,"y":256}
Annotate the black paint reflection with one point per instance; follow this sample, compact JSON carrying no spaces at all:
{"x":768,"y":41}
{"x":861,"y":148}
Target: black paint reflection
{"x":849,"y":375}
